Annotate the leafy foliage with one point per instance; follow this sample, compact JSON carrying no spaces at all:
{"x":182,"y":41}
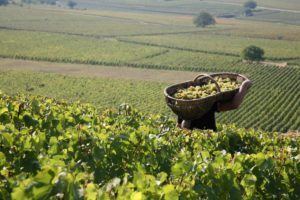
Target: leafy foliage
{"x":51,"y":149}
{"x":204,"y":19}
{"x":253,"y":53}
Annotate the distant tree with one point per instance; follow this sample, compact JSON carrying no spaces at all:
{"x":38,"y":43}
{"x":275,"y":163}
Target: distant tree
{"x":72,"y":4}
{"x":250,"y":4}
{"x":253,"y":53}
{"x":248,"y":12}
{"x":204,"y":19}
{"x":3,"y":2}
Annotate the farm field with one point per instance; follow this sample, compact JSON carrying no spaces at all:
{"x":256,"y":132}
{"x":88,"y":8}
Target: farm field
{"x":83,"y":113}
{"x":267,"y":10}
{"x":144,"y":40}
{"x":257,"y":111}
{"x":287,"y":4}
{"x":44,"y":46}
{"x":46,"y":19}
{"x":258,"y":29}
{"x":224,"y":44}
{"x":276,"y":16}
{"x":190,"y":7}
{"x":121,"y":23}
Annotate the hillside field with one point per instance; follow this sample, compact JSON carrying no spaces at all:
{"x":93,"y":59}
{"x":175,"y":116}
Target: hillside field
{"x":161,"y":41}
{"x":83,"y":113}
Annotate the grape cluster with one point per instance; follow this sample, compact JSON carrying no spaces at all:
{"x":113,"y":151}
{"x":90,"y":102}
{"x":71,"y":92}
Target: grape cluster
{"x":196,"y":92}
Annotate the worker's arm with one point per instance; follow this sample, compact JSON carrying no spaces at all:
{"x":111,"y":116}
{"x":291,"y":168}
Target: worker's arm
{"x":238,"y":98}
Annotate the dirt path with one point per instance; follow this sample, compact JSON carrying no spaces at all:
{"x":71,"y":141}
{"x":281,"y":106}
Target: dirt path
{"x":97,"y":71}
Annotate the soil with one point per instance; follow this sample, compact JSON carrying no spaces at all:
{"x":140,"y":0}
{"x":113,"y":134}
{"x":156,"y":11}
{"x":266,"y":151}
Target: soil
{"x":97,"y":71}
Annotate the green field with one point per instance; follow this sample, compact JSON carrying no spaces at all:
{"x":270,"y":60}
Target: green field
{"x":44,"y":46}
{"x":224,"y":44}
{"x":268,"y":97}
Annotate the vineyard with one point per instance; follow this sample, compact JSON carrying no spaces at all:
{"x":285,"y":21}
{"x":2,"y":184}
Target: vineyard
{"x":264,"y":106}
{"x":143,"y":40}
{"x":51,"y":149}
{"x":83,"y":115}
{"x":222,"y":45}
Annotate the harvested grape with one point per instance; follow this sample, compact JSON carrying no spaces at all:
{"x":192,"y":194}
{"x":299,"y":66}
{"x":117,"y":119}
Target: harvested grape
{"x":196,"y":92}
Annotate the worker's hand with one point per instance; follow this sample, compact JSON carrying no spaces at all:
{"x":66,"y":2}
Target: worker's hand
{"x":238,"y":98}
{"x":246,"y":85}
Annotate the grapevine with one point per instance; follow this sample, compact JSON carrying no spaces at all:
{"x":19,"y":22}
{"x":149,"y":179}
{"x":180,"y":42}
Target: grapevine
{"x":55,"y":149}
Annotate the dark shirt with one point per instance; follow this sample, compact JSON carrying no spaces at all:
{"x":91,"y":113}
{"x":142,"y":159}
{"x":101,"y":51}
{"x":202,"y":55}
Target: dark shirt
{"x":207,"y":121}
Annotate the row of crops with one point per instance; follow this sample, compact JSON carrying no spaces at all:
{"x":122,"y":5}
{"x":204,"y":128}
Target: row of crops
{"x":273,"y":104}
{"x":220,"y":44}
{"x":51,"y":149}
{"x":270,"y":104}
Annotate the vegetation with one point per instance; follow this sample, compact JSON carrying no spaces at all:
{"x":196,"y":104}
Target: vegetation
{"x":70,"y":151}
{"x":53,"y":149}
{"x":230,"y":46}
{"x":172,"y":42}
{"x":204,"y":19}
{"x":253,"y":53}
{"x":262,"y":103}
